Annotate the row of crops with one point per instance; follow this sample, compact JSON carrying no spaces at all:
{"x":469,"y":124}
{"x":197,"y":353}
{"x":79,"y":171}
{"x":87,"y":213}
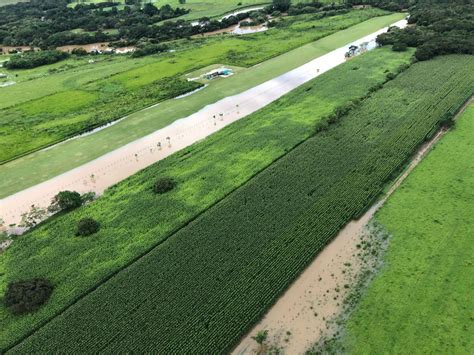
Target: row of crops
{"x":199,"y":291}
{"x":133,"y":219}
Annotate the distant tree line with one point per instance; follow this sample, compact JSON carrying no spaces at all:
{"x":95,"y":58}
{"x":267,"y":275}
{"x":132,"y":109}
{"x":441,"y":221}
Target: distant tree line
{"x":48,"y":23}
{"x":435,"y":28}
{"x":33,"y":59}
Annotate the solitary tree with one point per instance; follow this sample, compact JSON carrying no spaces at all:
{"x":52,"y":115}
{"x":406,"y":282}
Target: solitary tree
{"x":260,"y":338}
{"x":87,"y":226}
{"x":164,"y":185}
{"x":65,"y":201}
{"x":28,"y":295}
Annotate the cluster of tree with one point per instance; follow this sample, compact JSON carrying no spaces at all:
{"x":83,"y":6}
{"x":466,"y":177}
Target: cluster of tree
{"x":47,"y":23}
{"x":171,"y":30}
{"x":435,"y":28}
{"x":32,"y":59}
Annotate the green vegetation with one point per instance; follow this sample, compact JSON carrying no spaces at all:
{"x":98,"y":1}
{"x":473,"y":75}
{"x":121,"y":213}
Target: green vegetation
{"x":243,"y":251}
{"x":437,"y":28}
{"x":51,"y":23}
{"x":205,"y":173}
{"x":116,"y":96}
{"x":30,"y":60}
{"x":422,"y":300}
{"x":27,"y":296}
{"x":16,"y":176}
{"x":87,"y":226}
{"x":8,"y":2}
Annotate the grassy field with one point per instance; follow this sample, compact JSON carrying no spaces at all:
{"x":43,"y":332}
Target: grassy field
{"x":232,"y":261}
{"x":248,"y":146}
{"x":422,"y":300}
{"x":15,"y":176}
{"x":113,"y":97}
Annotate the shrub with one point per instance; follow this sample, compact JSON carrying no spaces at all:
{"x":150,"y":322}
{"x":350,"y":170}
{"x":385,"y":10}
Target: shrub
{"x":66,"y":201}
{"x":87,"y":226}
{"x":164,"y":185}
{"x":79,"y":52}
{"x":399,"y":47}
{"x":27,"y":296}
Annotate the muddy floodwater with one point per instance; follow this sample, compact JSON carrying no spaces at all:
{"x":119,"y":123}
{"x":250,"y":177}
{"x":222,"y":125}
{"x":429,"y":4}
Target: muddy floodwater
{"x":117,"y":165}
{"x":101,"y":47}
{"x":236,"y":30}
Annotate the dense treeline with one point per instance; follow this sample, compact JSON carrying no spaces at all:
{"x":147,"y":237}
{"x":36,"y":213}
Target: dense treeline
{"x":184,"y":29}
{"x":435,"y":28}
{"x":33,"y":59}
{"x":47,"y":23}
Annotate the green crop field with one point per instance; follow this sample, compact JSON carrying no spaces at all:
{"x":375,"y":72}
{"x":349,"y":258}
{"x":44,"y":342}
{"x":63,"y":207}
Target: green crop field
{"x":248,"y":146}
{"x":203,"y":287}
{"x":422,"y":301}
{"x":15,"y":176}
{"x":110,"y":98}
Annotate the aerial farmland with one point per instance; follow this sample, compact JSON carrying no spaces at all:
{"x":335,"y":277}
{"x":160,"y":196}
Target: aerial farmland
{"x":220,"y":177}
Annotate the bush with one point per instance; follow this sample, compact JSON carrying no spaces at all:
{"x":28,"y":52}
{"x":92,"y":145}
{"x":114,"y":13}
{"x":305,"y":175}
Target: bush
{"x":164,"y":185}
{"x":87,"y":226}
{"x":27,"y":296}
{"x":66,"y":201}
{"x":80,"y":52}
{"x":399,"y":47}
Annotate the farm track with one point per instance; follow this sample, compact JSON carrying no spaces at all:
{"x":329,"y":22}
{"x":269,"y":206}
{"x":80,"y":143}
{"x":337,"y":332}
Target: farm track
{"x":117,"y":165}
